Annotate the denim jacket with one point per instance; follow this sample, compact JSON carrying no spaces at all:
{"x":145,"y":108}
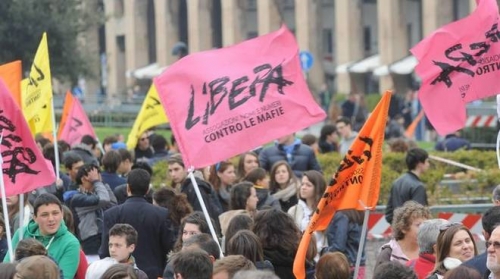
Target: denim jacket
{"x":344,"y":236}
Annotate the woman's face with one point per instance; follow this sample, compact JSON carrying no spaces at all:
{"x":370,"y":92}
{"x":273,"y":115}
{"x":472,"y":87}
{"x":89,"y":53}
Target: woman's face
{"x":306,"y":189}
{"x":250,"y":163}
{"x":411,"y":232}
{"x":252,"y":200}
{"x":282,"y":176}
{"x":462,"y":247}
{"x":12,"y":200}
{"x":190,"y":230}
{"x":228,"y":176}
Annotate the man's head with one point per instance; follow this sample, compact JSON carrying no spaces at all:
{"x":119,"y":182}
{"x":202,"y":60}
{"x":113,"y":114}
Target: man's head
{"x":427,"y":235}
{"x":86,"y":176}
{"x":496,"y":195}
{"x":227,"y":267}
{"x":417,"y":160}
{"x":204,"y":242}
{"x":344,"y":128}
{"x":111,"y":161}
{"x":91,"y":142}
{"x":394,"y":270}
{"x":122,"y":242}
{"x":192,"y":264}
{"x":72,"y":162}
{"x":176,"y":169}
{"x":490,"y":219}
{"x":138,"y":181}
{"x":493,"y":250}
{"x":143,"y":142}
{"x":48,"y":214}
{"x":126,"y":162}
{"x":159,"y":143}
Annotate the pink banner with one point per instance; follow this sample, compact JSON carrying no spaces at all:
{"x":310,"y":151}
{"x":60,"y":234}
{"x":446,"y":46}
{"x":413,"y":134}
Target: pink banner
{"x":459,"y":63}
{"x":227,"y":101}
{"x":77,"y":124}
{"x":24,"y":167}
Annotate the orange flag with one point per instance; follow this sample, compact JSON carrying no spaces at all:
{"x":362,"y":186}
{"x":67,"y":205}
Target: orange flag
{"x":11,"y":73}
{"x":413,"y":126}
{"x":357,"y":179}
{"x":68,"y":104}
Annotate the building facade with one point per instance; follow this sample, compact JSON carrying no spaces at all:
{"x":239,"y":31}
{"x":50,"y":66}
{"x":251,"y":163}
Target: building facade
{"x":357,"y":45}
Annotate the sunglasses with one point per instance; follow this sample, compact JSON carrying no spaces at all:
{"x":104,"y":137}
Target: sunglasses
{"x":444,"y":227}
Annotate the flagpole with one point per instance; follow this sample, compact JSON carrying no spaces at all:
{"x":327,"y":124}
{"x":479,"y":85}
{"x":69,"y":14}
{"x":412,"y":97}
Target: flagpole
{"x":498,"y":149}
{"x":54,"y":135}
{"x":5,"y":209}
{"x":362,"y":240}
{"x":204,"y":208}
{"x":21,"y":216}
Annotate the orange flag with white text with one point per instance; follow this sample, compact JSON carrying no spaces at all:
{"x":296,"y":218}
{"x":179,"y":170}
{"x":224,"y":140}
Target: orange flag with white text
{"x":68,"y":103}
{"x":356,"y":183}
{"x":11,"y":73}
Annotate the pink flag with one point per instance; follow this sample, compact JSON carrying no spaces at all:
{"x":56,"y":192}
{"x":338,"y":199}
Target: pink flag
{"x":227,"y":101}
{"x":459,"y":63}
{"x":77,"y":124}
{"x":23,"y":165}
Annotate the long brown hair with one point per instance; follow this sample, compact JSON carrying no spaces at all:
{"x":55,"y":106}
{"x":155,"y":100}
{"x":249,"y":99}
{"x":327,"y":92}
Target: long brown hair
{"x":220,"y":167}
{"x":273,"y":184}
{"x":14,"y":208}
{"x":241,"y":164}
{"x":316,"y":179}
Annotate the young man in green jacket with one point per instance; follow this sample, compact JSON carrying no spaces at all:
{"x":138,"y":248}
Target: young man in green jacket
{"x":48,"y":227}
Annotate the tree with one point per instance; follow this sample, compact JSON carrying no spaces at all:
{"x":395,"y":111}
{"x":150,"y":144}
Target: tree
{"x":22,"y":23}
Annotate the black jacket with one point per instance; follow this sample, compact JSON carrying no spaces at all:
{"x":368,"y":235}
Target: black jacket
{"x":282,"y":262}
{"x":406,"y":187}
{"x":154,"y":229}
{"x":300,"y":160}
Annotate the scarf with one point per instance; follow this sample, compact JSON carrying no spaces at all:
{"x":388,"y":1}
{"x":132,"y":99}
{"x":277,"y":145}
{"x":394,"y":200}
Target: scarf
{"x":225,"y":194}
{"x":287,"y":193}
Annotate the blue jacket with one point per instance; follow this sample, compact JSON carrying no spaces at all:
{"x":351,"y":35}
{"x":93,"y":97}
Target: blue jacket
{"x":478,"y":263}
{"x":301,"y":158}
{"x":344,"y":236}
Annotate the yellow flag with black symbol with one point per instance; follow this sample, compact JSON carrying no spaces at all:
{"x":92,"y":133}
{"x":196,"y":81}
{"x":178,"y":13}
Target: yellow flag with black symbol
{"x":36,"y":92}
{"x":150,"y":115}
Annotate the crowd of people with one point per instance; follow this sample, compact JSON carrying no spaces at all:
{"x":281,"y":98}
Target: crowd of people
{"x":102,"y":218}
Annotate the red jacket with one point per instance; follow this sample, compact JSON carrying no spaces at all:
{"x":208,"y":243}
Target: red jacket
{"x":423,"y":266}
{"x":82,"y":266}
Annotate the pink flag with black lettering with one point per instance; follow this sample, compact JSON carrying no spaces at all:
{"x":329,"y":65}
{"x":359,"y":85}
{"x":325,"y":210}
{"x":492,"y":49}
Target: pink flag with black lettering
{"x":459,"y":63}
{"x":23,"y":166}
{"x":227,"y":101}
{"x":77,"y":124}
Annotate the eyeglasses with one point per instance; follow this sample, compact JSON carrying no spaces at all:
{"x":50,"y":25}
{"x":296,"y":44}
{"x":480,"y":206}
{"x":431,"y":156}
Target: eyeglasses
{"x":496,"y":244}
{"x":444,"y":227}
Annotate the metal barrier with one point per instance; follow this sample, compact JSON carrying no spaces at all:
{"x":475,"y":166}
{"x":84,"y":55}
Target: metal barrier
{"x":454,"y":208}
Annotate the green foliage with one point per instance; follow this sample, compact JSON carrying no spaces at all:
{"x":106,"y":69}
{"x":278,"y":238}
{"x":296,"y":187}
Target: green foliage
{"x":24,"y":21}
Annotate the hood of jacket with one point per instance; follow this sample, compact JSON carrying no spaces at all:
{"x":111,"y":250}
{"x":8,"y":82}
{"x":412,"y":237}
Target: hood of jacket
{"x":33,"y":230}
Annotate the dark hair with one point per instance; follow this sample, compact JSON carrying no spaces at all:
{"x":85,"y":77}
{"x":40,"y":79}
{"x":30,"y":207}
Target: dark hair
{"x":173,"y":142}
{"x":344,"y":120}
{"x":7,"y":270}
{"x":111,"y":161}
{"x":125,"y":230}
{"x":490,"y":219}
{"x":109,"y":140}
{"x":239,"y":195}
{"x":255,"y":175}
{"x":159,"y":143}
{"x":49,"y":154}
{"x":193,"y":263}
{"x":2,"y":224}
{"x":319,"y":183}
{"x":415,"y":156}
{"x":327,"y":130}
{"x":309,"y":139}
{"x":394,"y":270}
{"x":42,"y":140}
{"x":68,"y":219}
{"x":143,"y":166}
{"x":89,"y":140}
{"x":195,"y":218}
{"x":63,"y":146}
{"x":246,"y":243}
{"x":45,"y":199}
{"x":273,"y":184}
{"x":138,"y":182}
{"x":277,"y":230}
{"x":333,"y":266}
{"x":241,"y":163}
{"x":13,"y":209}
{"x":125,"y":154}
{"x":177,"y":204}
{"x":176,"y":159}
{"x":29,"y":247}
{"x":119,"y":271}
{"x":462,"y":271}
{"x":238,"y":223}
{"x":84,"y":171}
{"x":220,"y":167}
{"x":70,"y":159}
{"x":205,"y":242}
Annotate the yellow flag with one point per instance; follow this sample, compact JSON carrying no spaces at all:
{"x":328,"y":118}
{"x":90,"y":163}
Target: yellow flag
{"x":151,"y":114}
{"x":36,"y":92}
